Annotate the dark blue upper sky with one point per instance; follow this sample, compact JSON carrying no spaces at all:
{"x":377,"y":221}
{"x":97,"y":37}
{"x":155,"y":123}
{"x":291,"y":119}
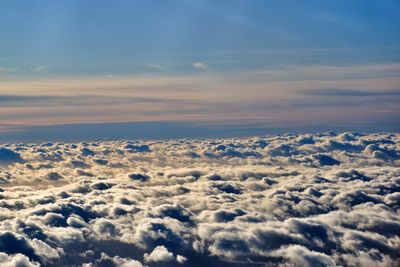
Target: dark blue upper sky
{"x":92,"y":36}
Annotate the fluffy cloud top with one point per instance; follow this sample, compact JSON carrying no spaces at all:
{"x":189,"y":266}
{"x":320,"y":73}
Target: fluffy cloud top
{"x":288,"y":200}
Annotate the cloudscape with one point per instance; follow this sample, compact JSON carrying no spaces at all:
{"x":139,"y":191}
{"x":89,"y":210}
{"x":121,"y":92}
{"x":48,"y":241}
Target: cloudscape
{"x":297,"y":200}
{"x":199,"y":133}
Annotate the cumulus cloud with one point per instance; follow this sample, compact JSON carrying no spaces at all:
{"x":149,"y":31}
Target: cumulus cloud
{"x":289,"y":200}
{"x":159,"y":254}
{"x":16,"y":260}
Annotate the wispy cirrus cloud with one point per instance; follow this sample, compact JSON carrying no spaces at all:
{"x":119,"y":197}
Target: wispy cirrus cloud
{"x":157,"y":67}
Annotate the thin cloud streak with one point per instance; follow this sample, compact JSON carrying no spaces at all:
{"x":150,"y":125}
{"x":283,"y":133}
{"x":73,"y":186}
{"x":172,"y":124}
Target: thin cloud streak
{"x":75,"y":100}
{"x":349,"y":93}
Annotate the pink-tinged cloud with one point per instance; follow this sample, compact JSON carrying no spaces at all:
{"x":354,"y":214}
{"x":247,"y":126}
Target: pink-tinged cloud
{"x":291,"y":94}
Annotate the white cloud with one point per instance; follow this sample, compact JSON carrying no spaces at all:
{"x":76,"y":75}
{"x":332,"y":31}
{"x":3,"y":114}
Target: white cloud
{"x":16,"y":260}
{"x":159,"y":254}
{"x":267,"y":198}
{"x":199,"y":66}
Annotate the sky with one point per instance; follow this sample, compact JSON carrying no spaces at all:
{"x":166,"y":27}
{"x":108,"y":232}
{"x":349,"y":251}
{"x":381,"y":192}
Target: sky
{"x":224,"y":68}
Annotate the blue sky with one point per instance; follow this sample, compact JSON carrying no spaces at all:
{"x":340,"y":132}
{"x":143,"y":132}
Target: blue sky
{"x":266,"y":61}
{"x":90,"y":37}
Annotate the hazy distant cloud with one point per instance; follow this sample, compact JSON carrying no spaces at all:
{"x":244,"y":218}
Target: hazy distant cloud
{"x":40,"y":69}
{"x":74,"y":100}
{"x":157,"y":67}
{"x":273,"y":95}
{"x":199,"y":66}
{"x":350,"y":92}
{"x":8,"y":70}
{"x":36,"y":69}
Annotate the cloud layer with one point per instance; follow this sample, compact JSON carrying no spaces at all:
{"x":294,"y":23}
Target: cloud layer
{"x":287,"y":200}
{"x":291,"y":94}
